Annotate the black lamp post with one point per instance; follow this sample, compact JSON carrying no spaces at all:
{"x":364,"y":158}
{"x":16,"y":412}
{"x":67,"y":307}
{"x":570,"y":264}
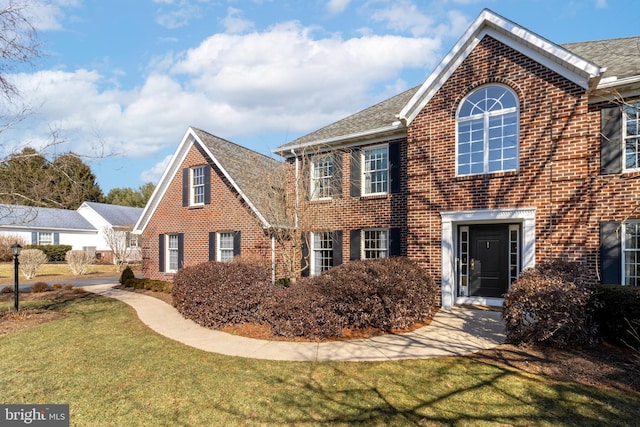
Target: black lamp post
{"x":16,"y":253}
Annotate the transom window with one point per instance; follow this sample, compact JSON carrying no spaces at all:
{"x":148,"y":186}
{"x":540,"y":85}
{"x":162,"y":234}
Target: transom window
{"x":631,"y":114}
{"x":172,"y":252}
{"x":321,"y":175}
{"x":375,"y":243}
{"x":376,"y":170}
{"x":197,"y":185}
{"x":487,"y":131}
{"x":322,"y":252}
{"x":631,"y":253}
{"x":225,"y":246}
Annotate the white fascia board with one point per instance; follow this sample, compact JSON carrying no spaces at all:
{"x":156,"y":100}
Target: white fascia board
{"x":226,"y":174}
{"x":161,"y":189}
{"x":373,"y":135}
{"x":539,"y":49}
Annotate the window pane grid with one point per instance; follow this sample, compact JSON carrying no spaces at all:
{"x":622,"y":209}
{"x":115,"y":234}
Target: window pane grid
{"x":632,"y":136}
{"x":322,"y":173}
{"x":632,"y":253}
{"x":376,"y":170}
{"x":225,"y":246}
{"x":172,"y":251}
{"x":45,"y":239}
{"x":322,"y":251}
{"x":375,"y":244}
{"x":197,"y":184}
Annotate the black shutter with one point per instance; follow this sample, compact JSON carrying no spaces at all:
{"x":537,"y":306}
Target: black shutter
{"x":611,"y":140}
{"x":354,"y":176}
{"x":34,"y":237}
{"x":394,"y":241}
{"x":354,"y":243}
{"x":161,"y":253}
{"x":305,"y":261}
{"x":394,"y":164}
{"x":212,"y":246}
{"x":207,"y":185}
{"x":56,"y":238}
{"x":336,"y":182}
{"x":180,"y":250}
{"x":337,"y":248}
{"x":611,"y":253}
{"x":185,"y":187}
{"x":236,"y":243}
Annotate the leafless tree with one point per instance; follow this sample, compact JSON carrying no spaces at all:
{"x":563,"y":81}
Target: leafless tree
{"x":117,"y":239}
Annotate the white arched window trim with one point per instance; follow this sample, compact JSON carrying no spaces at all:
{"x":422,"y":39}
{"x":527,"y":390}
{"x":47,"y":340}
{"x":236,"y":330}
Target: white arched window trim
{"x":487,"y":131}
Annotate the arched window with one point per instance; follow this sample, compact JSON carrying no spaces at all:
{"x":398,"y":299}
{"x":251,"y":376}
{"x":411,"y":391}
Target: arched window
{"x":487,"y":131}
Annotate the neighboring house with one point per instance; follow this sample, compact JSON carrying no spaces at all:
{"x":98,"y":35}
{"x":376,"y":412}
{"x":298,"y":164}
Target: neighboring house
{"x":515,"y":150}
{"x":207,"y":207}
{"x":114,"y":224}
{"x":82,"y":229}
{"x":46,"y":226}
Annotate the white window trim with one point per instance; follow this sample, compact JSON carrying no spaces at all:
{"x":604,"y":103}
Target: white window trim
{"x":623,"y":123}
{"x":313,"y":179}
{"x":486,"y":117}
{"x":219,"y":247}
{"x":623,"y":241}
{"x":193,"y":186}
{"x":362,"y":242}
{"x":39,"y":238}
{"x":168,"y":252}
{"x":363,"y":181}
{"x":312,"y":250}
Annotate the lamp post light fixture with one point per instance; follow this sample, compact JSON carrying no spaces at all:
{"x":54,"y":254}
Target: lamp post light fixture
{"x":16,"y":253}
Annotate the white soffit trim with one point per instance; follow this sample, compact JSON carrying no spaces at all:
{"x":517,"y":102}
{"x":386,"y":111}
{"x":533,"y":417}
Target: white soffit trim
{"x":528,"y":43}
{"x":226,"y":174}
{"x":165,"y":180}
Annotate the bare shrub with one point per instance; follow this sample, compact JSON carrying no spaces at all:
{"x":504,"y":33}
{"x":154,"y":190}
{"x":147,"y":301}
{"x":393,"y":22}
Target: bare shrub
{"x":39,"y":287}
{"x":30,"y":262}
{"x":551,"y":303}
{"x":79,"y":261}
{"x":6,"y":241}
{"x":7,"y":290}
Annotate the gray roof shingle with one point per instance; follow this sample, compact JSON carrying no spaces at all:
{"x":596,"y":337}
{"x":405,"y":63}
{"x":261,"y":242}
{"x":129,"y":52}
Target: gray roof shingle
{"x":42,"y":218}
{"x":115,"y":214}
{"x":621,"y":57}
{"x":255,"y":174}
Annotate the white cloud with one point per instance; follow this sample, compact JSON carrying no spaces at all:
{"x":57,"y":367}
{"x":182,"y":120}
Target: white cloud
{"x":235,"y":23}
{"x":337,"y":6}
{"x":402,"y":16}
{"x":154,"y":173}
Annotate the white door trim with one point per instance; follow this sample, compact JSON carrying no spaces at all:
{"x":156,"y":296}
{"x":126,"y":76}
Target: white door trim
{"x":450,"y":220}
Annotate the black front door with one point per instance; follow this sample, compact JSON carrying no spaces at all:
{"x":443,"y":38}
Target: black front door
{"x":488,"y":260}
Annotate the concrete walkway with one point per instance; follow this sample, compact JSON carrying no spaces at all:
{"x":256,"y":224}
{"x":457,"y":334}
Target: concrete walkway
{"x":454,"y":332}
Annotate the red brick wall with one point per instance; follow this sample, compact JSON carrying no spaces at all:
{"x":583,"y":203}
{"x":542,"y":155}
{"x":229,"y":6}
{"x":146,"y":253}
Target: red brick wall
{"x":225,"y":213}
{"x":559,"y":164}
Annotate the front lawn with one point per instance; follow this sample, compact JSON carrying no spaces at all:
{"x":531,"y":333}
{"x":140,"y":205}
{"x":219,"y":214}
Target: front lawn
{"x":113,"y":370}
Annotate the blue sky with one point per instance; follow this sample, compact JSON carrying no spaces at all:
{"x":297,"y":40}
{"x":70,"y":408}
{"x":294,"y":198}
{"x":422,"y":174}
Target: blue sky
{"x":120,"y":81}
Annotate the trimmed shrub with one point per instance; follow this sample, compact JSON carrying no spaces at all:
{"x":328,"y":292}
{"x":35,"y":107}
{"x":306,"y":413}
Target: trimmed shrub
{"x":617,"y":303}
{"x":126,"y":275}
{"x":7,"y":290}
{"x":150,"y":285}
{"x":215,"y":294}
{"x":30,"y":261}
{"x":551,"y":303}
{"x":56,"y":286}
{"x":79,"y":261}
{"x":67,"y":287}
{"x":54,"y":253}
{"x":384,"y":294}
{"x":39,"y":287}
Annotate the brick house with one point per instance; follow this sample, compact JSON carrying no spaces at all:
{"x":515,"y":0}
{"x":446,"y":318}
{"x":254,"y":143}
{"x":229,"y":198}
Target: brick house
{"x":514,"y":150}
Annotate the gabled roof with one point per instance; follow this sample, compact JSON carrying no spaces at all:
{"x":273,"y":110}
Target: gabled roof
{"x":243,"y":168}
{"x":377,"y":119}
{"x":42,"y":218}
{"x":115,"y":214}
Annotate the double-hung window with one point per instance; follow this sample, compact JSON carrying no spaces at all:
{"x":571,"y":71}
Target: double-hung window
{"x":631,"y":253}
{"x":631,"y":114}
{"x":45,"y":238}
{"x":375,"y":170}
{"x":487,"y":131}
{"x":322,"y":258}
{"x":172,"y":253}
{"x":321,"y":176}
{"x":375,"y":243}
{"x":225,"y":246}
{"x":197,"y":186}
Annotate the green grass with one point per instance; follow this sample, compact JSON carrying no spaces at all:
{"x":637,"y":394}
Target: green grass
{"x":114,"y":371}
{"x":53,"y":273}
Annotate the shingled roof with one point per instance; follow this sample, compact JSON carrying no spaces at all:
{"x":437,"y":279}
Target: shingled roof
{"x":115,"y":214}
{"x":621,"y":57}
{"x":42,"y":218}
